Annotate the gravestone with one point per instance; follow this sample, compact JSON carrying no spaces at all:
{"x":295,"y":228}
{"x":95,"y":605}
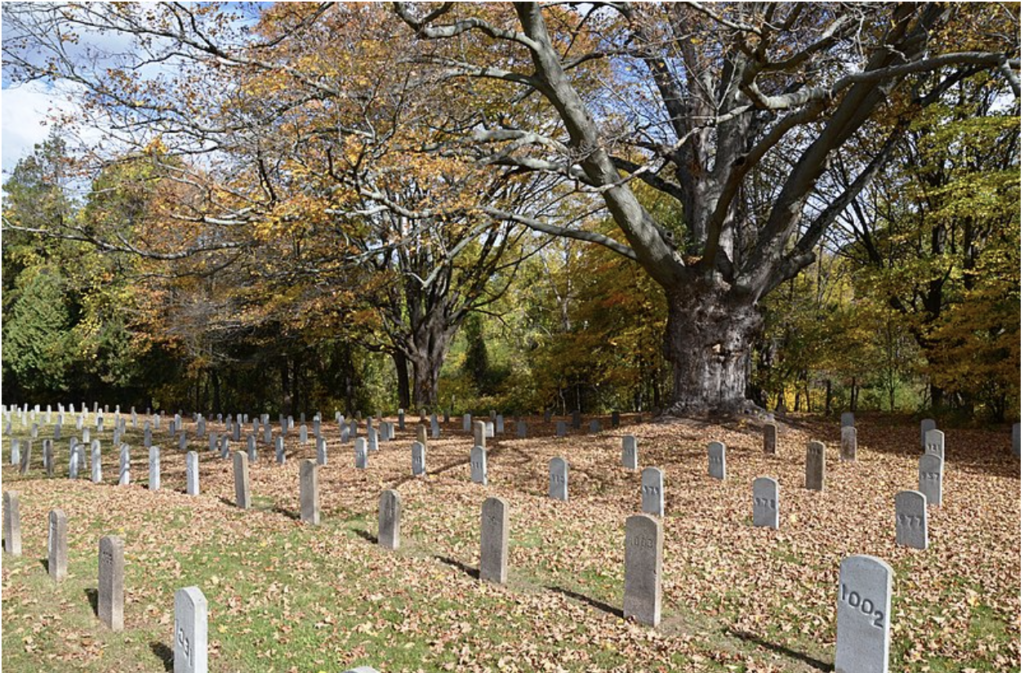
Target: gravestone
{"x":26,"y":457}
{"x":251,"y":448}
{"x":182,"y":441}
{"x":345,"y":433}
{"x":595,"y":426}
{"x":190,"y":631}
{"x":236,"y":432}
{"x":846,"y":420}
{"x":814,"y":470}
{"x":929,"y":478}
{"x":480,"y":434}
{"x":577,"y":420}
{"x":848,"y":443}
{"x":56,"y":431}
{"x":935,"y":443}
{"x":57,"y":545}
{"x":12,"y":524}
{"x":770,"y":438}
{"x":716,"y":460}
{"x":225,"y":447}
{"x":85,"y":436}
{"x":421,"y":434}
{"x":547,"y":415}
{"x":435,"y":427}
{"x":240,"y":463}
{"x":371,"y":439}
{"x":389,"y":520}
{"x":147,"y":436}
{"x":201,"y":427}
{"x":558,"y":479}
{"x":267,"y":437}
{"x":321,"y":451}
{"x":124,"y":476}
{"x":213,"y":442}
{"x":467,"y":422}
{"x":279,"y":450}
{"x":48,"y":463}
{"x":521,"y":429}
{"x":419,"y":459}
{"x":478,"y":465}
{"x":766,"y":502}
{"x":862,"y":618}
{"x":35,"y":430}
{"x":96,"y":464}
{"x":629,"y":452}
{"x":154,"y":468}
{"x":401,"y":419}
{"x":494,"y":541}
{"x":912,"y":519}
{"x":652,"y":491}
{"x":615,"y":419}
{"x":74,"y":459}
{"x":15,"y":451}
{"x":303,"y":435}
{"x":110,"y":603}
{"x":499,"y":424}
{"x":926,"y":425}
{"x":489,"y":429}
{"x":560,"y":429}
{"x":642,"y":591}
{"x":192,"y":473}
{"x":309,"y":492}
{"x":360,"y":453}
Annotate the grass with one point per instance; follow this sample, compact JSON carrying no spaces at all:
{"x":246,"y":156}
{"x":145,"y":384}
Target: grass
{"x":284,"y":596}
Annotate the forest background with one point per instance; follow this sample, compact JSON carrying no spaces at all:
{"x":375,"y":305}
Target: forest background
{"x":288,"y":266}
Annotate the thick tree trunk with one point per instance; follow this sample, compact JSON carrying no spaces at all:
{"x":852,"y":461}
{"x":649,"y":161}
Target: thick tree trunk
{"x":707,"y":340}
{"x":426,"y":371}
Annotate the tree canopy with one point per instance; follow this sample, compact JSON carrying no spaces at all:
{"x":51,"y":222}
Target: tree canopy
{"x":323,"y":194}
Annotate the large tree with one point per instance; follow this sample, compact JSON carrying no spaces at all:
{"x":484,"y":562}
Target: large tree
{"x":330,"y":174}
{"x":736,"y":110}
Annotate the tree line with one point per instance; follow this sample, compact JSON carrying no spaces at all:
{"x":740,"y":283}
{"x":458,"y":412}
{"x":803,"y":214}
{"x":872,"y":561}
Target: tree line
{"x":681,"y":207}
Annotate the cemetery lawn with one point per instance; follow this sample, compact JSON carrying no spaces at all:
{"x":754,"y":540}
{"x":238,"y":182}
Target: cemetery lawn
{"x":284,"y":596}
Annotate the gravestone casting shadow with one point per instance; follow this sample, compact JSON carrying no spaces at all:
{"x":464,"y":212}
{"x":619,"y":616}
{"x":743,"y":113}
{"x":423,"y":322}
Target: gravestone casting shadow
{"x":781,"y":649}
{"x":164,"y":654}
{"x":472,"y":572}
{"x":593,"y":602}
{"x":277,"y":509}
{"x":366,"y":535}
{"x":94,"y":600}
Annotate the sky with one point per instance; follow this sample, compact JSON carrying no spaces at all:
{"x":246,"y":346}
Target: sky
{"x":24,"y":119}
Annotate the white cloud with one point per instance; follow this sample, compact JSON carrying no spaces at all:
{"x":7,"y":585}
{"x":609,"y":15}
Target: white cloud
{"x":25,"y":119}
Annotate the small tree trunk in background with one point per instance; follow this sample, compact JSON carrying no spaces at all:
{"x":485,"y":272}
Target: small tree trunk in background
{"x":286,"y":397}
{"x":216,"y":392}
{"x":402,"y":371}
{"x":828,"y":396}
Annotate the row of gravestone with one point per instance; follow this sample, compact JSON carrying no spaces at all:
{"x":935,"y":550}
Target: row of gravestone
{"x":190,"y":635}
{"x":560,"y":482}
{"x":864,"y":595}
{"x":930,"y":467}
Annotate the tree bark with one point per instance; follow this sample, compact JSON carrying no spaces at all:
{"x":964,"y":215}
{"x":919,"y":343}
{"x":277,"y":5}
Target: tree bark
{"x":402,"y":370}
{"x":708,"y":339}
